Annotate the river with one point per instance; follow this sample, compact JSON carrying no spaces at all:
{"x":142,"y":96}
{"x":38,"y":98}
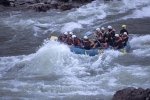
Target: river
{"x":34,"y":68}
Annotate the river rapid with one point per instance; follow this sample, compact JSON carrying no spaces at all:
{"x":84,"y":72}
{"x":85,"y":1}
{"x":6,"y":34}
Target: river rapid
{"x":34,"y":68}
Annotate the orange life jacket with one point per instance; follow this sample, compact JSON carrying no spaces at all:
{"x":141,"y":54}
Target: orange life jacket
{"x":76,"y":42}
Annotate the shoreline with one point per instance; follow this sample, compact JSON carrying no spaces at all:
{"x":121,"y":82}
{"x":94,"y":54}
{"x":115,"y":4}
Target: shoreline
{"x":43,"y":6}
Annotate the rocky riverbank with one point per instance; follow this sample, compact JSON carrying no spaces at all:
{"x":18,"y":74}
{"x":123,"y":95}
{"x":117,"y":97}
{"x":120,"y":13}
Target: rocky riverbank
{"x":131,"y":93}
{"x":42,"y":5}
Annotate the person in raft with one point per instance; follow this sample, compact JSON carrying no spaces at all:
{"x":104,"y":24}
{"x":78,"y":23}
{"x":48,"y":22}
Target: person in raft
{"x":110,"y":35}
{"x":69,"y":38}
{"x":87,"y":43}
{"x":101,"y":41}
{"x":76,"y":41}
{"x":63,"y":37}
{"x":118,"y":42}
{"x":124,"y":29}
{"x":124,"y":39}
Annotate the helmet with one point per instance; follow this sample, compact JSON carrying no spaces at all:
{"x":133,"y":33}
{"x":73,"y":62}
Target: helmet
{"x":71,"y":33}
{"x":102,"y":28}
{"x":109,"y":27}
{"x":116,"y":35}
{"x":123,"y":26}
{"x":125,"y":33}
{"x":73,"y":36}
{"x":85,"y":37}
{"x":97,"y":29}
{"x":66,"y":33}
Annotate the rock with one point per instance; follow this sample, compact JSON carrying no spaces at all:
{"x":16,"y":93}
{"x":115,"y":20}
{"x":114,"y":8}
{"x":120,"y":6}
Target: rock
{"x":65,"y":6}
{"x":132,"y":94}
{"x":44,"y":5}
{"x":5,"y":2}
{"x":54,"y":6}
{"x":64,"y":0}
{"x":40,"y":7}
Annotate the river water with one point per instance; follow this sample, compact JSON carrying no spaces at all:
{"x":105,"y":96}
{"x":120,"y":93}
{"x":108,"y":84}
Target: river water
{"x":34,"y":68}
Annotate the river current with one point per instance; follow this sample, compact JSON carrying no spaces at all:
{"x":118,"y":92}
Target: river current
{"x":34,"y":68}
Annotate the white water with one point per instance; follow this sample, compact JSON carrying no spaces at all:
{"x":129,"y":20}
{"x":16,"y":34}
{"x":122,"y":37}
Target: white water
{"x":53,"y":72}
{"x":87,"y":15}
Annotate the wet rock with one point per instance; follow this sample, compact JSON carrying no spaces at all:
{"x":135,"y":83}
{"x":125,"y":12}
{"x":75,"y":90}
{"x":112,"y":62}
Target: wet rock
{"x":132,"y":94}
{"x":82,"y":1}
{"x":64,"y":7}
{"x":40,"y":7}
{"x":44,"y":5}
{"x":64,"y":0}
{"x":54,"y":6}
{"x":5,"y":2}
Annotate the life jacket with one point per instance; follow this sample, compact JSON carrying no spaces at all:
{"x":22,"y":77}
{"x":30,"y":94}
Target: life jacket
{"x":111,"y":32}
{"x":101,"y":40}
{"x":76,"y":42}
{"x":125,"y":39}
{"x":86,"y":44}
{"x":118,"y":42}
{"x":102,"y":33}
{"x":97,"y":34}
{"x":62,"y":38}
{"x":111,"y":37}
{"x":122,"y":31}
{"x":69,"y":40}
{"x":106,"y":36}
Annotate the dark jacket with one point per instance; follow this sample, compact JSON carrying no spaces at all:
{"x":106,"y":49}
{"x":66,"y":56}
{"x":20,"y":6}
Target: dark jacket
{"x":123,"y":30}
{"x":125,"y":40}
{"x":111,"y":37}
{"x":86,"y":44}
{"x":62,"y":38}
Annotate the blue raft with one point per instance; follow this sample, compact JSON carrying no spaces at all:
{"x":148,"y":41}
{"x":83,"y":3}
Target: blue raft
{"x":96,"y":51}
{"x":91,"y":52}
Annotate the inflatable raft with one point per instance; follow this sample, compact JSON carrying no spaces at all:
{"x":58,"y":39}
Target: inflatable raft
{"x":96,"y":51}
{"x":91,"y":52}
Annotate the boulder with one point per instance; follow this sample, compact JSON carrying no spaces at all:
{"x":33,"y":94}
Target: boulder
{"x":65,"y":6}
{"x":40,"y":7}
{"x":131,"y":93}
{"x":44,"y":5}
{"x":54,"y":6}
{"x":5,"y":2}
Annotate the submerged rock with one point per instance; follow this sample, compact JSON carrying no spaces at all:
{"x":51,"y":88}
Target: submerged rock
{"x":132,"y":94}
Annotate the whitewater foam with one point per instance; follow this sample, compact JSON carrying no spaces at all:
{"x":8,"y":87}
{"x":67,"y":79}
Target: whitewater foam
{"x":71,"y":26}
{"x":55,"y":71}
{"x":139,"y":13}
{"x":139,"y":41}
